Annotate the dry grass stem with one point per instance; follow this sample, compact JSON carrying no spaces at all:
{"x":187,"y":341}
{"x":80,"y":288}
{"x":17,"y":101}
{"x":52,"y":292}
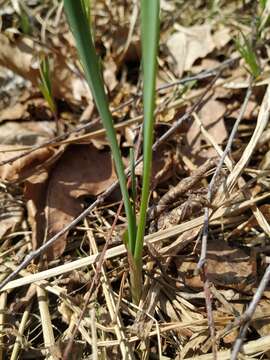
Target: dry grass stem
{"x":161,"y":235}
{"x":46,"y":323}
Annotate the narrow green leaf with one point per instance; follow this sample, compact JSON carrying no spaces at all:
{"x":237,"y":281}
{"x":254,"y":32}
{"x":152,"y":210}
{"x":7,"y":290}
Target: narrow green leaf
{"x":45,"y":83}
{"x":25,"y":23}
{"x":248,"y":54}
{"x":133,"y":179}
{"x":150,"y":37}
{"x":79,"y":24}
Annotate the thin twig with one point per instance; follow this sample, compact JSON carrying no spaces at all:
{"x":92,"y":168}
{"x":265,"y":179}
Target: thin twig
{"x":216,"y":174}
{"x":54,"y":141}
{"x":210,"y":317}
{"x":202,"y":261}
{"x":247,"y":316}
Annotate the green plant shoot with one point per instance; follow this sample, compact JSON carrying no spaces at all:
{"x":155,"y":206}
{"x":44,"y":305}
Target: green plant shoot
{"x":150,"y":36}
{"x":79,"y":24}
{"x":247,"y":52}
{"x":45,"y":85}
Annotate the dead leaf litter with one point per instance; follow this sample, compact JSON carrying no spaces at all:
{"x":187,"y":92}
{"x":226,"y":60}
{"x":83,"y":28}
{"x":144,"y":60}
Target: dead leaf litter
{"x":47,"y":182}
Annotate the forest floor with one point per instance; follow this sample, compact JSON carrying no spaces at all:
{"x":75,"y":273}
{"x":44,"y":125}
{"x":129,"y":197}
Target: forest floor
{"x":206,"y":269}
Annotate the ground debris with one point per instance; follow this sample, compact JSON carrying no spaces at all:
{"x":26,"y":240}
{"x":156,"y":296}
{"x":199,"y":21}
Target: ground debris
{"x":46,"y":181}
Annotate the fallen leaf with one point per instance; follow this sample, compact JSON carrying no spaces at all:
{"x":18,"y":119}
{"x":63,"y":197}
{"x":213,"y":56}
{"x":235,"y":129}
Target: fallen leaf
{"x":189,"y":44}
{"x":25,"y":132}
{"x":205,"y":64}
{"x":54,"y":199}
{"x":13,"y":112}
{"x":162,"y":165}
{"x":10,"y":218}
{"x":221,"y":37}
{"x":262,"y":325}
{"x":211,"y":116}
{"x":226,"y":267}
{"x":55,"y":182}
{"x":19,"y":56}
{"x":262,"y":310}
{"x":32,"y":164}
{"x":251,"y":111}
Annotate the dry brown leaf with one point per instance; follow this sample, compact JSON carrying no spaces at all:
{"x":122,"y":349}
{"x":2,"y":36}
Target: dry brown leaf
{"x":251,"y":112}
{"x":211,"y":117}
{"x":262,"y":325}
{"x":25,"y":132}
{"x":55,"y":199}
{"x":32,"y":164}
{"x":162,"y":165}
{"x":226,"y":267}
{"x":26,"y":108}
{"x":205,"y":64}
{"x":19,"y":56}
{"x":262,"y":310}
{"x":10,"y":218}
{"x":13,"y":112}
{"x":221,"y":37}
{"x":54,"y":182}
{"x":189,"y":44}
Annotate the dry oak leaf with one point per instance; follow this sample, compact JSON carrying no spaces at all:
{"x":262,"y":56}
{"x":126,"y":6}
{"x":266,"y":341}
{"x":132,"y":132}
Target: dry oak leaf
{"x":189,"y":44}
{"x":54,"y":201}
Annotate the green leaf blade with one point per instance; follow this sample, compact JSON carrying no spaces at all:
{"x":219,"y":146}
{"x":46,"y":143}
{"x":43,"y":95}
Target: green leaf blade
{"x":150,"y":36}
{"x":79,"y":24}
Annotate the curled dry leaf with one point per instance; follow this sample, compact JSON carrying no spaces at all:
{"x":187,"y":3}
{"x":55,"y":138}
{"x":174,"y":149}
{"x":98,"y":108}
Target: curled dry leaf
{"x":189,"y":44}
{"x":262,"y":311}
{"x":78,"y":172}
{"x":26,"y":166}
{"x":55,"y":182}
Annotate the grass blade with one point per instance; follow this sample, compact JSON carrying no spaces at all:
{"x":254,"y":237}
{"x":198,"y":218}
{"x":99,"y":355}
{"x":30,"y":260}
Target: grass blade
{"x":150,"y":37}
{"x":79,"y":24}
